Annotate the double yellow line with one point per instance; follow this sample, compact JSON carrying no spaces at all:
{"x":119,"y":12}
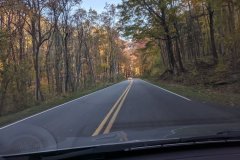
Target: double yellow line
{"x":112,"y":114}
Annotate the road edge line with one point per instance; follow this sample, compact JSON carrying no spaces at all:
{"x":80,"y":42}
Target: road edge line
{"x":167,"y":90}
{"x":8,"y":125}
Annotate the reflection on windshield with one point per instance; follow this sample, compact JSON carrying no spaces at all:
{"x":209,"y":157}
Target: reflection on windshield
{"x":75,"y":76}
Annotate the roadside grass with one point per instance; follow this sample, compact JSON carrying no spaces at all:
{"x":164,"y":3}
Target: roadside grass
{"x":10,"y":118}
{"x":201,"y":93}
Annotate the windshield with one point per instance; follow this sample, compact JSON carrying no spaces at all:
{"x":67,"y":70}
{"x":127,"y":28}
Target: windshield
{"x":77,"y":73}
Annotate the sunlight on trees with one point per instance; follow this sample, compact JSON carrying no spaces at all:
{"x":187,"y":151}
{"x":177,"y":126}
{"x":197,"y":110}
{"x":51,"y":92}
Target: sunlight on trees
{"x":47,"y":49}
{"x":186,"y":35}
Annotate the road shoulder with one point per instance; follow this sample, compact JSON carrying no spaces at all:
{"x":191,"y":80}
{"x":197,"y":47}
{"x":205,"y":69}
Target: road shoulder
{"x":201,"y":94}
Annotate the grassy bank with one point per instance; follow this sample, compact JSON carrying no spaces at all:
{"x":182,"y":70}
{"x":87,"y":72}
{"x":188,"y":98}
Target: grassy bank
{"x":4,"y":120}
{"x":201,"y":93}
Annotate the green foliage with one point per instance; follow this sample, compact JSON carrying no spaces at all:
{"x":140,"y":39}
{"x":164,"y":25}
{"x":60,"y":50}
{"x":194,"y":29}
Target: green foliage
{"x":150,"y":60}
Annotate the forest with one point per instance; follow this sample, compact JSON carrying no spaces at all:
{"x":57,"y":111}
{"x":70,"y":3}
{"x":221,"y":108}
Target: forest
{"x":191,"y":42}
{"x":54,"y":47}
{"x":50,"y":48}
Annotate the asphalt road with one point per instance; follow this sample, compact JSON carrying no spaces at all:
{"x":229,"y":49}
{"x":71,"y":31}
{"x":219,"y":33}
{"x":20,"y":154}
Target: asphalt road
{"x":129,"y":105}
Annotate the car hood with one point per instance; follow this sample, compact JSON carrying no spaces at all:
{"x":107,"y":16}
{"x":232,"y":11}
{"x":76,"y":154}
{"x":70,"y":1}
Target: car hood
{"x":37,"y":139}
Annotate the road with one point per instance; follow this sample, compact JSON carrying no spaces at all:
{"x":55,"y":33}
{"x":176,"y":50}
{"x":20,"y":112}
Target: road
{"x":128,"y":105}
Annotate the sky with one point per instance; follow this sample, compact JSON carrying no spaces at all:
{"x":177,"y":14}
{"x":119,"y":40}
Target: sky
{"x":98,"y":5}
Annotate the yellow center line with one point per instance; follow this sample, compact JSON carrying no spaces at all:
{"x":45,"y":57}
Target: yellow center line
{"x":110,"y":124}
{"x":102,"y":124}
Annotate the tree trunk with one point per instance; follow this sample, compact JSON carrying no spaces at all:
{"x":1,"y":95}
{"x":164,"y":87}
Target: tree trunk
{"x":89,"y":62}
{"x":212,"y":34}
{"x":172,"y":62}
{"x":3,"y":92}
{"x":178,"y":52}
{"x":179,"y":56}
{"x":66,"y":59}
{"x":35,"y":49}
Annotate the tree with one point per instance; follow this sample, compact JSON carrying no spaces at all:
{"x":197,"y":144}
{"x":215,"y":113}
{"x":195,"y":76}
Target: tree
{"x":50,"y":48}
{"x":39,"y":36}
{"x":212,"y":32}
{"x":189,"y":33}
{"x":151,"y":18}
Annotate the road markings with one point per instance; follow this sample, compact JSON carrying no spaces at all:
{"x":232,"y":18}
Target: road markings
{"x":56,"y":107}
{"x":110,"y":124}
{"x":113,"y":112}
{"x":167,"y":91}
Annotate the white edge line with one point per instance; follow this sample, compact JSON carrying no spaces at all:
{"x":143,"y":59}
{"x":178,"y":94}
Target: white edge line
{"x":55,"y":107}
{"x":168,"y":91}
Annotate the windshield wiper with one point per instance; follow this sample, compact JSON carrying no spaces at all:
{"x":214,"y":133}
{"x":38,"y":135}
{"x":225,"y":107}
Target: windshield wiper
{"x":229,"y":133}
{"x":219,"y":137}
